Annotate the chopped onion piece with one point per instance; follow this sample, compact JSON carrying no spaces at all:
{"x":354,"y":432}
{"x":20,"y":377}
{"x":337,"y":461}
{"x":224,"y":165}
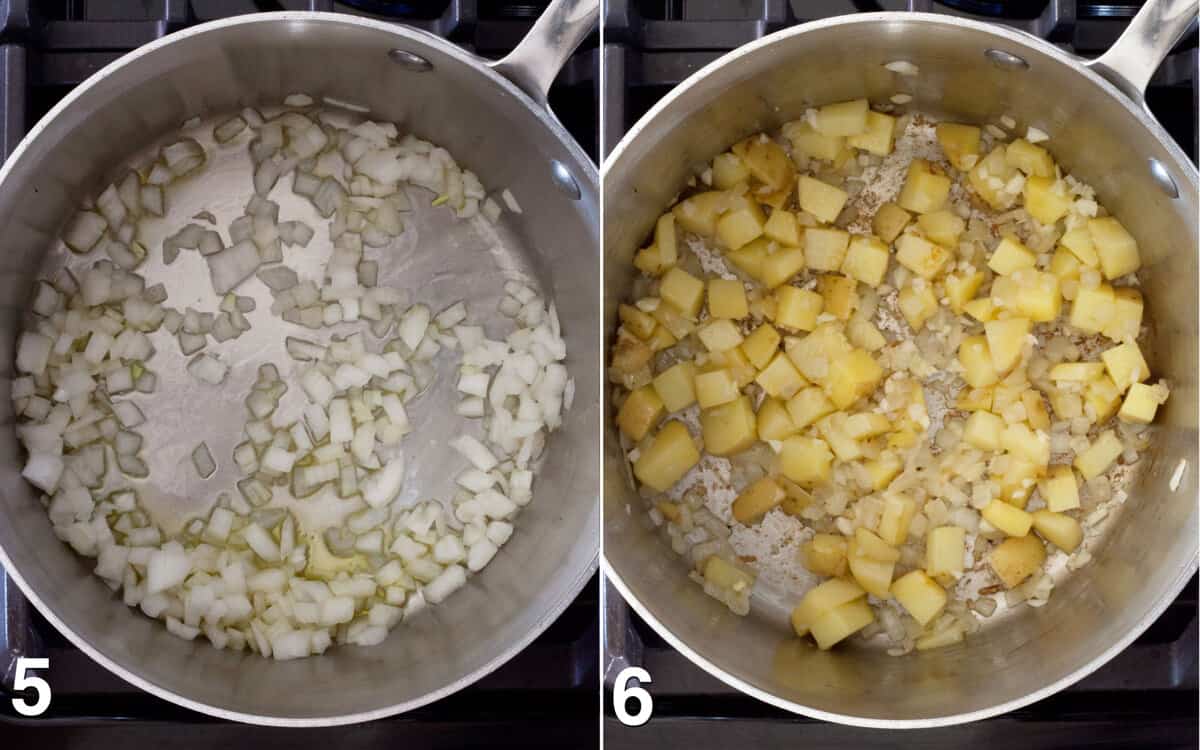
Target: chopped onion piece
{"x":84,"y":231}
{"x":232,"y":266}
{"x":203,"y":461}
{"x":208,"y":369}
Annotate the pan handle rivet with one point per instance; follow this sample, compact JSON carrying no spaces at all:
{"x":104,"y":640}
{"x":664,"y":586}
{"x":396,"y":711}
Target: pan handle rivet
{"x":564,"y":180}
{"x":1163,"y":178}
{"x":409,"y":60}
{"x":1005,"y":60}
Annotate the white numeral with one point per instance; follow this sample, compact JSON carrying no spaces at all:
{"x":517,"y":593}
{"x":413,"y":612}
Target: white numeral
{"x":622,"y":692}
{"x":40,"y":686}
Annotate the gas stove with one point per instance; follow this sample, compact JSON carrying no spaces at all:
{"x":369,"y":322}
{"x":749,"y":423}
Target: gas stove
{"x":1147,"y":696}
{"x":545,"y":694}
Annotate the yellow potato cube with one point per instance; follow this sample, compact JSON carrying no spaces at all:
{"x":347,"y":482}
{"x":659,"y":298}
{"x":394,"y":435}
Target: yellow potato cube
{"x":781,"y":265}
{"x":976,"y":358}
{"x":852,"y":376}
{"x":883,"y":470}
{"x":1019,"y":440}
{"x":740,"y":224}
{"x":841,"y":622}
{"x":870,"y":545}
{"x":729,"y":170}
{"x":889,"y":221}
{"x":671,"y":455}
{"x":727,"y":299}
{"x":825,"y":248}
{"x":760,"y":346}
{"x":665,"y":239}
{"x":729,"y":428}
{"x":843,"y":118}
{"x":877,"y":138}
{"x":820,"y":199}
{"x":1018,"y":481}
{"x":1005,"y":291}
{"x":974,"y":399}
{"x":813,"y":353}
{"x":780,"y":378}
{"x":1046,"y":199}
{"x":921,"y":256}
{"x":982,"y":309}
{"x":1103,"y":397}
{"x":1064,"y":265}
{"x":782,"y":227}
{"x":944,"y":549}
{"x":698,"y":214}
{"x":767,"y":161}
{"x":960,"y":143}
{"x":630,"y":354}
{"x":806,"y":460}
{"x":1060,"y":490}
{"x":823,"y":598}
{"x":1008,"y":518}
{"x":774,"y":422}
{"x":1059,"y":529}
{"x":682,"y":290}
{"x":808,"y":406}
{"x":989,"y":178}
{"x":866,"y":425}
{"x":825,"y":555}
{"x":749,"y":257}
{"x":720,"y":335}
{"x":797,"y":308}
{"x":638,"y":323}
{"x":924,"y":191}
{"x":754,"y":501}
{"x":873,"y":575}
{"x":734,"y":361}
{"x":920,"y":596}
{"x":661,"y":339}
{"x":863,"y":334}
{"x":833,"y":430}
{"x":1142,"y":402}
{"x":1017,"y":558}
{"x":866,"y":260}
{"x":961,"y":287}
{"x":1035,"y":410}
{"x":808,"y":143}
{"x":1125,"y":365}
{"x":1093,"y":308}
{"x":1098,"y":456}
{"x":840,"y":294}
{"x":1034,"y":161}
{"x":640,"y":412}
{"x":715,"y":388}
{"x":1005,"y":340}
{"x":1078,"y":242}
{"x":898,"y":512}
{"x":1038,"y":297}
{"x":670,"y":317}
{"x":726,"y":575}
{"x":1067,"y":405}
{"x":1126,"y":320}
{"x":649,"y":261}
{"x":948,"y":636}
{"x":676,"y":386}
{"x":943,"y":227}
{"x":1116,"y":247}
{"x":983,"y":430}
{"x":1011,"y":255}
{"x":797,"y":498}
{"x":917,"y":305}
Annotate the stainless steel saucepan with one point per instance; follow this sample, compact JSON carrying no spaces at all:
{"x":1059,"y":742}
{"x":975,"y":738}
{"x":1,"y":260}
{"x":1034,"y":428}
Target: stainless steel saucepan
{"x":493,"y":118}
{"x":1103,"y":132}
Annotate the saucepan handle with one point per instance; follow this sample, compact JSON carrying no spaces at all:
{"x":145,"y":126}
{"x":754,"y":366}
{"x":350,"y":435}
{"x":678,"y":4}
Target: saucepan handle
{"x":534,"y":63}
{"x":1132,"y":60}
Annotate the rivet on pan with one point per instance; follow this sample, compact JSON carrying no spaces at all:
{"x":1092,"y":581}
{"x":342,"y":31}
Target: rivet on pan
{"x":1005,"y":60}
{"x":1163,"y":178}
{"x":564,"y":180}
{"x":411,"y":61}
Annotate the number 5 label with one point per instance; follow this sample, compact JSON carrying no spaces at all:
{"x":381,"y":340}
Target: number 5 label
{"x":622,"y":692}
{"x":26,"y":681}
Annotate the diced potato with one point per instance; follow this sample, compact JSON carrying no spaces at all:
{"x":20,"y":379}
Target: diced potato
{"x":1103,"y":397}
{"x":840,"y":294}
{"x":665,"y":239}
{"x":812,"y":354}
{"x":676,"y":387}
{"x":806,"y":460}
{"x":898,"y":512}
{"x":1005,"y":339}
{"x":729,"y":170}
{"x":866,"y":260}
{"x":825,"y":248}
{"x":917,"y":305}
{"x":1066,"y":404}
{"x":640,"y":412}
{"x":698,"y":214}
{"x":981,"y":309}
{"x":638,"y":323}
{"x":1098,"y":456}
{"x":1093,"y":309}
{"x":961,"y":287}
{"x":1034,"y":161}
{"x":843,"y":118}
{"x":877,"y":139}
{"x":630,"y":354}
{"x":873,"y":575}
{"x":1126,"y":320}
{"x":1019,"y":440}
{"x":1064,"y":265}
{"x":1017,"y":558}
{"x":808,"y":406}
{"x":715,"y":388}
{"x":960,"y":143}
{"x":1038,"y":297}
{"x":774,"y":422}
{"x":682,"y":290}
{"x":1116,"y":247}
{"x":841,"y":622}
{"x":749,"y":257}
{"x":920,"y":595}
{"x":648,"y":260}
{"x":729,"y":428}
{"x":883,"y":470}
{"x":724,"y":574}
{"x":984,"y":430}
{"x":820,"y":199}
{"x":754,"y":501}
{"x":825,"y":555}
{"x":781,"y":265}
{"x":948,"y":636}
{"x":974,"y":399}
{"x":872,"y":546}
{"x":943,"y":226}
{"x":852,"y":376}
{"x":1125,"y":365}
{"x":760,"y":346}
{"x":727,"y":299}
{"x":1142,"y":402}
{"x":1010,"y":255}
{"x":921,"y":256}
{"x":990,"y":176}
{"x":661,"y":339}
{"x":1078,"y":242}
{"x":944,"y":550}
{"x":670,"y":455}
{"x":671,"y":318}
{"x":1059,"y":529}
{"x":797,"y":498}
{"x":808,"y":143}
{"x":1060,"y":490}
{"x":867,"y":424}
{"x":782,"y":227}
{"x":923,"y":191}
{"x":1047,"y":199}
{"x":833,"y":430}
{"x":797,"y":308}
{"x":823,"y":598}
{"x":1018,"y":481}
{"x":1035,"y":410}
{"x":1008,"y":518}
{"x":767,"y":161}
{"x":741,"y":223}
{"x":780,"y":378}
{"x":720,"y":335}
{"x":863,"y":334}
{"x":889,"y":221}
{"x":974,"y":354}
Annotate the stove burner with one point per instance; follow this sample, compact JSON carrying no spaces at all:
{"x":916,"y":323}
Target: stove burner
{"x":408,"y":9}
{"x":998,"y":8}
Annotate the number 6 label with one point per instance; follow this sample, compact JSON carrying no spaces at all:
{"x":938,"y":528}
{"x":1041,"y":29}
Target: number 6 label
{"x":25,"y":681}
{"x":622,"y":692}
